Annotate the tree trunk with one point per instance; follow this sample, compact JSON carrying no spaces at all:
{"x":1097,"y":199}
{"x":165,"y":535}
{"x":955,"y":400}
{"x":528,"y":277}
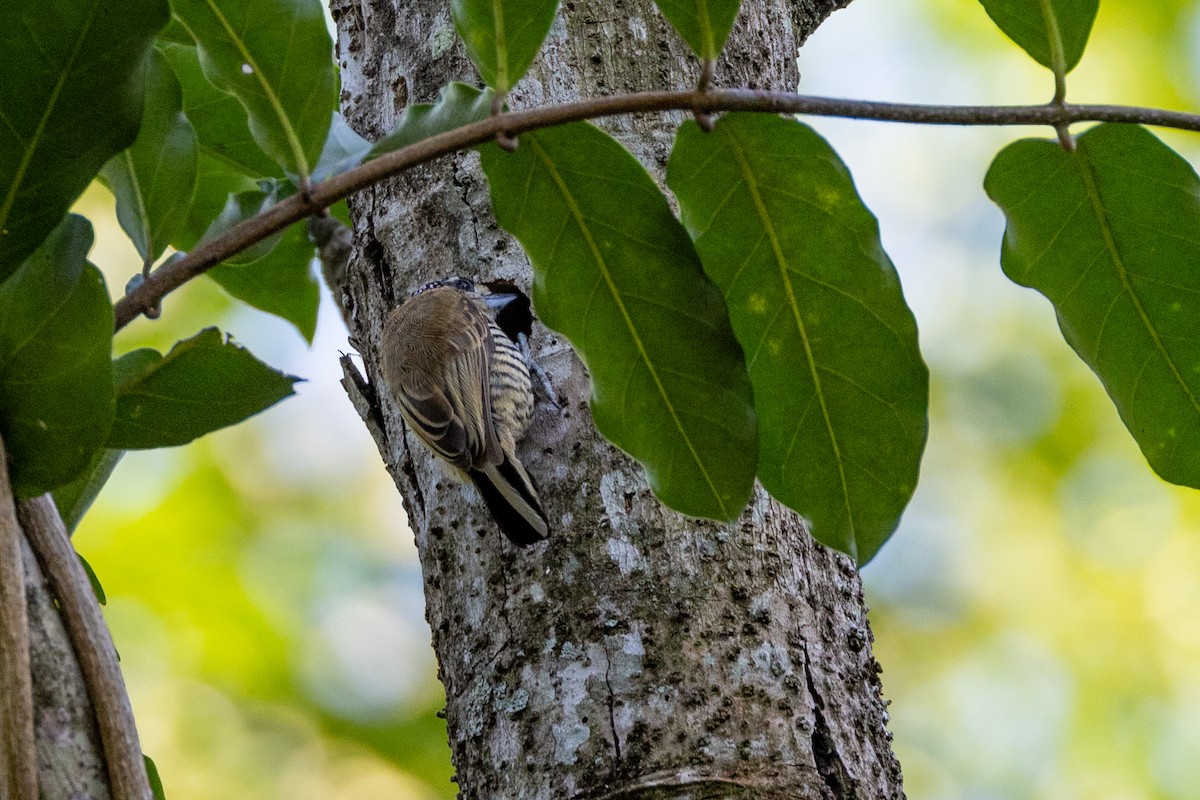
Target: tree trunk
{"x":638,"y":653}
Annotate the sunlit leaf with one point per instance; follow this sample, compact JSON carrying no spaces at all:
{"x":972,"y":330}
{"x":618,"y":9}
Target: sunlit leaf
{"x":616,"y":273}
{"x":703,"y":24}
{"x":1110,"y":234}
{"x":457,"y":105}
{"x":840,"y":389}
{"x":154,"y":179}
{"x":1040,"y":27}
{"x":205,"y":383}
{"x":56,"y":389}
{"x":274,"y":56}
{"x":70,"y":98}
{"x":502,"y":36}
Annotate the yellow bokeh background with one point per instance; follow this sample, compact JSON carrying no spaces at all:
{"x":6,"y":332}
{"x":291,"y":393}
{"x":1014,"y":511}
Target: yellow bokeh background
{"x":1033,"y":614}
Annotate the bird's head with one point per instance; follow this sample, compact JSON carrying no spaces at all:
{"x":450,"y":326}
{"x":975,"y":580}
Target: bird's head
{"x":509,"y":306}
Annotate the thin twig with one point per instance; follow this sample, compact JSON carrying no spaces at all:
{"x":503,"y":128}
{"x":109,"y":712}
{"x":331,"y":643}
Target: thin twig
{"x":93,"y":646}
{"x":174,"y":274}
{"x":19,"y":778}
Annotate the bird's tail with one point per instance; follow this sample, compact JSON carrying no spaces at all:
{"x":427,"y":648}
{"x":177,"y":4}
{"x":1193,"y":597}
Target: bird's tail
{"x":513,"y":500}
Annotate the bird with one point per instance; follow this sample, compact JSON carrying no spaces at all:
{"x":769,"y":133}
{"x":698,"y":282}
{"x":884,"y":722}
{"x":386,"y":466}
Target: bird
{"x":463,"y":386}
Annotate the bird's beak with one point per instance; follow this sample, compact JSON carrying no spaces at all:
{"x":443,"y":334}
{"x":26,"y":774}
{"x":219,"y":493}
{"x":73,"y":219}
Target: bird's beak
{"x":498,"y":300}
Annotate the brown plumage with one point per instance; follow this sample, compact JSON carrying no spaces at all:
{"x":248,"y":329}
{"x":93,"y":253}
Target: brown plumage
{"x":463,"y":387}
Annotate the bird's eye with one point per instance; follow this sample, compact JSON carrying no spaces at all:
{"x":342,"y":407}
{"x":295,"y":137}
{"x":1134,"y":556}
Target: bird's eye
{"x":464,"y":284}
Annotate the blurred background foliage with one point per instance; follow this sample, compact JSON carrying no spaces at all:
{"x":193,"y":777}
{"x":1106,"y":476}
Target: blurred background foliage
{"x":1034,"y":614}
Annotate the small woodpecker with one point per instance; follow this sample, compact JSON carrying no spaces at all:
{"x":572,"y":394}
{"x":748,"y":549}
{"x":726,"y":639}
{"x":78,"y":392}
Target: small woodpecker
{"x":463,"y":387}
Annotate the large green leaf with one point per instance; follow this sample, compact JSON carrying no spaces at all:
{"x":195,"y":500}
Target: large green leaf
{"x":56,"y":386}
{"x":281,"y":283}
{"x":154,"y":179}
{"x":502,"y":36}
{"x":1044,"y":27}
{"x":703,"y":24}
{"x":457,"y":105}
{"x":274,"y":56}
{"x":203,"y":384}
{"x":1110,"y":233}
{"x":840,"y":389}
{"x":616,"y":273}
{"x":70,"y":98}
{"x":222,"y":126}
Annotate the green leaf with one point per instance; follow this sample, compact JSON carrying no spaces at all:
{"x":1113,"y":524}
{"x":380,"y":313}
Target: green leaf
{"x":75,"y":498}
{"x":703,"y":24}
{"x":502,"y":36}
{"x":175,"y":33}
{"x":275,"y":274}
{"x":156,"y":787}
{"x":274,"y":56}
{"x":215,"y":182}
{"x":1044,"y":28}
{"x":840,"y":389}
{"x":154,"y":179}
{"x":1111,"y":235}
{"x":222,"y":126}
{"x":616,"y":273}
{"x":344,"y":149}
{"x":93,"y":579}
{"x":205,"y":383}
{"x":56,"y":390}
{"x":70,"y":99}
{"x":281,"y":283}
{"x":341,"y":212}
{"x":239,"y":208}
{"x":457,"y":105}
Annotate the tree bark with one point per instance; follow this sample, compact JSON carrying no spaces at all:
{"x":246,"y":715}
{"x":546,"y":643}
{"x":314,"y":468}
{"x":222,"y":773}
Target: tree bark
{"x":638,"y":653}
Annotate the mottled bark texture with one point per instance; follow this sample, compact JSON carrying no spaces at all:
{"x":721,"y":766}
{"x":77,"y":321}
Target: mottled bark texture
{"x":637,"y":653}
{"x":70,"y":757}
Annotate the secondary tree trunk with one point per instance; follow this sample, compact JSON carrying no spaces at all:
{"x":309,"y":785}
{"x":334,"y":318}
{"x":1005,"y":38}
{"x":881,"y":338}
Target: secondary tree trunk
{"x":637,"y":653}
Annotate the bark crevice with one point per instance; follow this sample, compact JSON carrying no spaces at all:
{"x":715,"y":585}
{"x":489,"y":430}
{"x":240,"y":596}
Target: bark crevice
{"x":829,"y":763}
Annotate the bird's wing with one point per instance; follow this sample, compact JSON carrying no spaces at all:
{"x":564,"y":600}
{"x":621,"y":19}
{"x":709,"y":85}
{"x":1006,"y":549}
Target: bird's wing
{"x":468,"y":385}
{"x":431,"y":416}
{"x":449,"y":403}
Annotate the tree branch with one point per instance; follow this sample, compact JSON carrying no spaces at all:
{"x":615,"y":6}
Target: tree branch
{"x":18,"y":769}
{"x":171,"y":276}
{"x":93,"y":646}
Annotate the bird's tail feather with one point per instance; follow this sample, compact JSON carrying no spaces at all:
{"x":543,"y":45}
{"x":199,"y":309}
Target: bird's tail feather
{"x":513,"y":500}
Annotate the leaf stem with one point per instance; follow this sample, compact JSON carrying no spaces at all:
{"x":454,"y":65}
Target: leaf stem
{"x":175,"y":273}
{"x":1058,"y":60}
{"x":703,"y":117}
